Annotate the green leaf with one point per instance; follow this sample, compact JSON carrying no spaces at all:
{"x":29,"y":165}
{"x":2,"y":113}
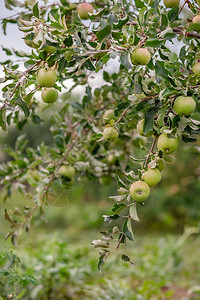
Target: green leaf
{"x":154,"y":43}
{"x":36,"y":11}
{"x":126,"y":258}
{"x":101,"y":62}
{"x":106,"y":76}
{"x":23,"y":106}
{"x":173,"y":13}
{"x":133,"y":213}
{"x":118,"y":207}
{"x":126,"y":230}
{"x":103,"y":33}
{"x":125,"y":60}
{"x":139,"y":4}
{"x":148,"y":124}
{"x":111,"y":218}
{"x":160,"y":69}
{"x":68,"y":41}
{"x":193,"y":27}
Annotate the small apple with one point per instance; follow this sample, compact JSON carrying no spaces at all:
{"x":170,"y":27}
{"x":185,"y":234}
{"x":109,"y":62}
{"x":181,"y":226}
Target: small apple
{"x":108,"y":114}
{"x":46,"y":77}
{"x":139,"y":191}
{"x":171,"y":3}
{"x":152,"y":176}
{"x":196,"y":19}
{"x":110,"y":134}
{"x":167,"y":145}
{"x":141,"y":56}
{"x":160,"y":164}
{"x":49,"y":95}
{"x":67,"y":171}
{"x":84,"y":9}
{"x":196,"y":68}
{"x":184,"y":105}
{"x":140,"y":129}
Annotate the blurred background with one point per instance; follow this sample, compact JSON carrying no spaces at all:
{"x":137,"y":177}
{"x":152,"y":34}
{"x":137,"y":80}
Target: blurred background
{"x":57,"y":260}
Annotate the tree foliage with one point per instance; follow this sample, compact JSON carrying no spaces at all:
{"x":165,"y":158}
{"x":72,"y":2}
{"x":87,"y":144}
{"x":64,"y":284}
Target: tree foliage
{"x":137,"y":90}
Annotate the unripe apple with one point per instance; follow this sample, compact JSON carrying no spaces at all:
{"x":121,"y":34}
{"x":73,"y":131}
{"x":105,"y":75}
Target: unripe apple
{"x":141,"y":56}
{"x":152,"y":176}
{"x":49,"y":95}
{"x":196,"y":19}
{"x":110,"y":134}
{"x":167,"y":145}
{"x":184,"y":105}
{"x":139,"y":191}
{"x":140,"y":129}
{"x":160,"y":164}
{"x":46,"y":78}
{"x":83,"y":9}
{"x":196,"y":68}
{"x":108,"y":114}
{"x":171,"y":3}
{"x":67,"y":171}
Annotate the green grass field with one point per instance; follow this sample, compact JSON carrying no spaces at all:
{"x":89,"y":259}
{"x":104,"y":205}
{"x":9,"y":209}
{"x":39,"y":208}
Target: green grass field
{"x":58,"y":261}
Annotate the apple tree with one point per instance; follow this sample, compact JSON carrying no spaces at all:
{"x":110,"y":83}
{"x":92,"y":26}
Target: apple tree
{"x":149,"y":101}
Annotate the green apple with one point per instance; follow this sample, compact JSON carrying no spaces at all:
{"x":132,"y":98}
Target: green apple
{"x":108,"y":114}
{"x":196,"y":68}
{"x":46,"y":77}
{"x":139,"y":191}
{"x":49,"y":95}
{"x":160,"y":164}
{"x":141,"y":56}
{"x":167,"y":145}
{"x":171,"y":3}
{"x":184,"y":105}
{"x":152,"y":176}
{"x":196,"y":19}
{"x":110,"y":134}
{"x":84,"y":9}
{"x":67,"y":171}
{"x":140,"y":129}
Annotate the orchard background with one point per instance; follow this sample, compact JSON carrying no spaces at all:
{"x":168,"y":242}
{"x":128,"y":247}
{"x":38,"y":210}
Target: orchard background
{"x":99,"y":104}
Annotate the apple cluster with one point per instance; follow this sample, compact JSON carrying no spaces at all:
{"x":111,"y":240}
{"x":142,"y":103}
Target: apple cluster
{"x":47,"y":79}
{"x":140,"y":190}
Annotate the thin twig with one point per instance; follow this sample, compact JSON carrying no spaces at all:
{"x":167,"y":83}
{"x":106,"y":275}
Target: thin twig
{"x":22,"y":74}
{"x":149,"y":97}
{"x":150,"y":151}
{"x":181,"y":8}
{"x":122,"y":115}
{"x":120,"y":240}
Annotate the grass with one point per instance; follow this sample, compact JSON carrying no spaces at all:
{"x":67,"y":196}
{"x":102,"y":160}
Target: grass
{"x":58,"y":261}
